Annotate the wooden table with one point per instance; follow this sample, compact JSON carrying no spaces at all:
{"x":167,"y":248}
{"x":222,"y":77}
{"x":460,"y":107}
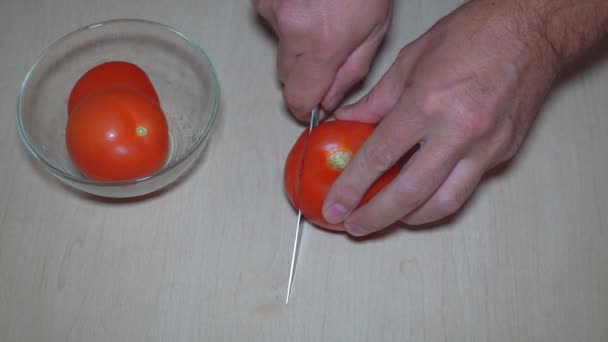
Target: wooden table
{"x":208,"y":260}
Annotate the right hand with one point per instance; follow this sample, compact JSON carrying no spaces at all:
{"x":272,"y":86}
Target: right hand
{"x":325,"y":47}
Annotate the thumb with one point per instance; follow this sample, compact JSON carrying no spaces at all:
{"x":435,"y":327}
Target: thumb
{"x":307,"y":84}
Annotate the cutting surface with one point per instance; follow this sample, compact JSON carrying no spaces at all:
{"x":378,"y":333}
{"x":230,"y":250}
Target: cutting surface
{"x":208,"y":260}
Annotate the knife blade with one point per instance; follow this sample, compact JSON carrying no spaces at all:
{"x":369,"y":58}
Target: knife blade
{"x":314,"y":121}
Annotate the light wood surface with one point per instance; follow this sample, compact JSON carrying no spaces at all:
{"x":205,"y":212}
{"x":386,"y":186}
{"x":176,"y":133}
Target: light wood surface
{"x":208,"y":260}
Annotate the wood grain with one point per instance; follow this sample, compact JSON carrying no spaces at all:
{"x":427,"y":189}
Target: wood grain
{"x":208,"y":260}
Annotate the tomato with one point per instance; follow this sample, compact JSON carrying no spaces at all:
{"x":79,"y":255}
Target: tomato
{"x":316,"y":160}
{"x":110,"y":75}
{"x":117,"y":134}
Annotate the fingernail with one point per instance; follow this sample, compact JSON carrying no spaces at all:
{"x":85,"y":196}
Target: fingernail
{"x":355,"y":229}
{"x":335,"y":213}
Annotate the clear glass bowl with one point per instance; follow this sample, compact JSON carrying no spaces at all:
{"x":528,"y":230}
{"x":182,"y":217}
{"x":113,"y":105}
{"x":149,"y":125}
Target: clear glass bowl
{"x":179,"y":69}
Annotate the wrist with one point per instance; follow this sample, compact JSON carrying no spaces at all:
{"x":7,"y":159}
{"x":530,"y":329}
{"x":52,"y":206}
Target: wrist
{"x":523,"y":38}
{"x":567,"y":29}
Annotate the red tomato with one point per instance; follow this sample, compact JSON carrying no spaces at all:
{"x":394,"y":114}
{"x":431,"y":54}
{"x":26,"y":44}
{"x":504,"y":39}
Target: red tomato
{"x":315,"y":161}
{"x":110,"y":75}
{"x":117,"y":134}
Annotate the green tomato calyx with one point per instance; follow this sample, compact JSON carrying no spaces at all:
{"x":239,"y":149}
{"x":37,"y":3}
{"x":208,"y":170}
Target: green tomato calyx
{"x":338,"y":159}
{"x":141,"y":131}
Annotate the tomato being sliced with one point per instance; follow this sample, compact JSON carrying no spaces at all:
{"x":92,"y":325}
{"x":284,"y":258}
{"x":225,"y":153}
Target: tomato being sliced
{"x":315,"y":161}
{"x":111,"y":75}
{"x":117,"y":134}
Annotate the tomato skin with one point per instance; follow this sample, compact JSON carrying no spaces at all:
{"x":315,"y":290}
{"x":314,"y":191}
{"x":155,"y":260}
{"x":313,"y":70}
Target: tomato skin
{"x":111,"y":75}
{"x":307,"y":182}
{"x":105,"y":135}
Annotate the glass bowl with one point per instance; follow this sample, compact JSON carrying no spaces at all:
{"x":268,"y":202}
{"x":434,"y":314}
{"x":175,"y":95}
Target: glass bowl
{"x":179,"y":69}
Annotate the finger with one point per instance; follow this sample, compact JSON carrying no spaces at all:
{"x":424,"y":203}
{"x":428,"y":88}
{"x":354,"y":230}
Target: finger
{"x":451,"y":195}
{"x":307,"y":84}
{"x":391,"y":139}
{"x":386,"y":93}
{"x":286,"y":58}
{"x":265,"y":10}
{"x":354,"y":70}
{"x":419,"y":179}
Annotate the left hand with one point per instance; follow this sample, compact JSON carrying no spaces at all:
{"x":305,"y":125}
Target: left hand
{"x":467,"y":91}
{"x":325,"y":47}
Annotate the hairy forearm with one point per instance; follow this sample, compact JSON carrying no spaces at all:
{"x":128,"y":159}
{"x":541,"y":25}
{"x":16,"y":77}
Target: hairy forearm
{"x":570,"y":27}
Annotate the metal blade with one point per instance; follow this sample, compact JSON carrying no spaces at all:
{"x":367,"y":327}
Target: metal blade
{"x":294,"y":255}
{"x":314,"y":119}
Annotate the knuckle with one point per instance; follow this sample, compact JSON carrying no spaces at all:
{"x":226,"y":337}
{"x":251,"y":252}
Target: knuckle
{"x":347,"y":194}
{"x":263,"y":8}
{"x":326,"y":40}
{"x":447,"y":203}
{"x":412,"y":191}
{"x":510,"y":153}
{"x":288,"y":20}
{"x":326,"y":51}
{"x":468,"y":120}
{"x":467,"y":116}
{"x":402,"y":64}
{"x":294,"y":100}
{"x":284,"y":21}
{"x":473,"y":125}
{"x":379,"y":157}
{"x":431,"y":102}
{"x":359,"y":71}
{"x":403,"y":53}
{"x":368,"y":102}
{"x":502,"y":142}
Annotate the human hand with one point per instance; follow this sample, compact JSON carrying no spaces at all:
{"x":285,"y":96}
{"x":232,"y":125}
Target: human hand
{"x":325,"y":47}
{"x":467,"y":92}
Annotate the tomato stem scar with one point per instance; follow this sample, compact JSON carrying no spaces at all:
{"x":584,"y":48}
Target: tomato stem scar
{"x":141,"y":131}
{"x":338,"y":159}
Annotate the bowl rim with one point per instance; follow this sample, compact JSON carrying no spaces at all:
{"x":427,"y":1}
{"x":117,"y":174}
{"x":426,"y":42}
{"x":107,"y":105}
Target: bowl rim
{"x":86,"y":181}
